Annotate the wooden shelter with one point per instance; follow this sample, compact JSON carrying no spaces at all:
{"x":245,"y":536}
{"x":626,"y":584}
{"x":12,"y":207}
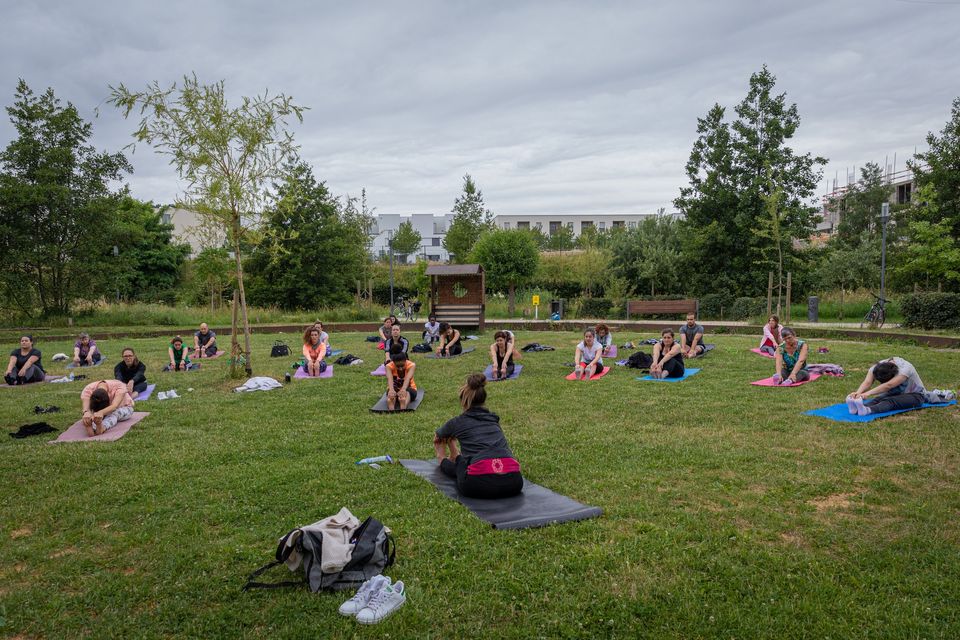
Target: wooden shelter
{"x":457,"y":294}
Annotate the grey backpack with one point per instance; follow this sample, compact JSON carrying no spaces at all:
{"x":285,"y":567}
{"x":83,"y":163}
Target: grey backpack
{"x":374,"y":550}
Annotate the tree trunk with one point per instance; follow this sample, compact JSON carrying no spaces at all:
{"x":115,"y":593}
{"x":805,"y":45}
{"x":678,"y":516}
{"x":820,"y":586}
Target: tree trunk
{"x":840,"y":313}
{"x":511,"y":300}
{"x":243,"y":297}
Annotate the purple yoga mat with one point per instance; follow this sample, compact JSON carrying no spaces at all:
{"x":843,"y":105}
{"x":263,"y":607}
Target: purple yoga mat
{"x":77,"y":432}
{"x":488,"y":373}
{"x":145,"y":394}
{"x":761,"y":353}
{"x":213,"y":357}
{"x":302,"y":375}
{"x":611,"y":352}
{"x":768,"y":382}
{"x":379,"y":371}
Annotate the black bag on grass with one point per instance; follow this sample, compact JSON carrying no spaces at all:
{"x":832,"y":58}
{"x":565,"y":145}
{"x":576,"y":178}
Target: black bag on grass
{"x":374,"y":550}
{"x":639,"y":360}
{"x":279,"y":350}
{"x":423,"y":347}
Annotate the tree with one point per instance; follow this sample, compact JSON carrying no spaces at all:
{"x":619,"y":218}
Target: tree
{"x":209,"y":277}
{"x":227,"y":156}
{"x":930,"y":253}
{"x":939,"y":168}
{"x":55,"y":206}
{"x":406,"y":239}
{"x":860,"y":204}
{"x":772,"y":228}
{"x":508,"y":258}
{"x":470,"y":219}
{"x":562,"y":239}
{"x":311,"y":254}
{"x":650,"y":256}
{"x":148,"y":262}
{"x":849,"y":265}
{"x":725,"y":199}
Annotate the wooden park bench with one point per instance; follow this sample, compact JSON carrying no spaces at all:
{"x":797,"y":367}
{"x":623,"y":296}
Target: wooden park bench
{"x":662,"y":307}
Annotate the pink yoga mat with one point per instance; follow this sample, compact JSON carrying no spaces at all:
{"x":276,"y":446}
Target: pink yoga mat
{"x":77,"y":432}
{"x":596,"y":376}
{"x":302,"y":375}
{"x":379,"y":371}
{"x":768,"y":382}
{"x":761,"y":353}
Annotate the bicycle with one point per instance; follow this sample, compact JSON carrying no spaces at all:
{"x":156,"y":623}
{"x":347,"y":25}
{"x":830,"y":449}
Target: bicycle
{"x":406,"y":309}
{"x":877,"y":314}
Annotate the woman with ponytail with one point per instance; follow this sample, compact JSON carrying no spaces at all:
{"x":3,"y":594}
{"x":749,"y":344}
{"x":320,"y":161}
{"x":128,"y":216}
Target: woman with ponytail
{"x":473,"y":449}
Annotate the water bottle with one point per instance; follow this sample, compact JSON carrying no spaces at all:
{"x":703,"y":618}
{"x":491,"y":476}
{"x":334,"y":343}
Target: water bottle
{"x":387,"y":459}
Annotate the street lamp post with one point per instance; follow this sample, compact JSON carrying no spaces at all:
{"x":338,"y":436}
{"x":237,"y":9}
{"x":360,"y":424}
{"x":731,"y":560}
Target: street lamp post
{"x":884,"y":217}
{"x":390,"y":242}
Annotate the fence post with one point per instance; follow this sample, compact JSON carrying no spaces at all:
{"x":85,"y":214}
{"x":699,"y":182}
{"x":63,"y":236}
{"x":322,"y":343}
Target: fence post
{"x":769,"y":293}
{"x":789,"y":283}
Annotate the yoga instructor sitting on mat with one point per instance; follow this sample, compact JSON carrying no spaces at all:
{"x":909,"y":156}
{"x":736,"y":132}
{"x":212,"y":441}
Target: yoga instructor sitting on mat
{"x":401,"y":389}
{"x":314,"y":350}
{"x":450,"y":344}
{"x":473,"y":449}
{"x":105,"y":403}
{"x":131,"y":372}
{"x":667,"y":361}
{"x":589,"y":356}
{"x":791,"y":359}
{"x":24,"y":366}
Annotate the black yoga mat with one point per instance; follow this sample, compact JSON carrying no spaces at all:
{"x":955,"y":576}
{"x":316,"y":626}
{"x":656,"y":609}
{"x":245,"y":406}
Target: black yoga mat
{"x":381,"y":406}
{"x":536,"y":507}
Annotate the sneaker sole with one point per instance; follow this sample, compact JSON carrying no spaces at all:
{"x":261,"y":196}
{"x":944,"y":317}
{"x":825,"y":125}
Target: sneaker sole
{"x":384,"y":617}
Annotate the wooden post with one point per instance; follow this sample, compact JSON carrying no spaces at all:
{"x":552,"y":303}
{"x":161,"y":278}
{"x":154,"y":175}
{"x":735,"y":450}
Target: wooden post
{"x":769,"y":294}
{"x":789,"y":282}
{"x":234,"y":341}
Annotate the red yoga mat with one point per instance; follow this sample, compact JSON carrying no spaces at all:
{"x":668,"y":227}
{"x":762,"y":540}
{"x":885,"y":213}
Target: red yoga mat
{"x":761,"y":353}
{"x":596,"y":376}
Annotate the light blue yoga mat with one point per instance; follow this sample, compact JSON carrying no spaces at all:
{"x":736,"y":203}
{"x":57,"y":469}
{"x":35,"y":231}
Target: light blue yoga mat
{"x":840,"y":413}
{"x":335,"y":352}
{"x":686,"y":374}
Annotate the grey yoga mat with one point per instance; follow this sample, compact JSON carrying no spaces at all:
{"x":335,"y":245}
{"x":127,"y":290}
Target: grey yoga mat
{"x":536,"y":507}
{"x":381,"y":406}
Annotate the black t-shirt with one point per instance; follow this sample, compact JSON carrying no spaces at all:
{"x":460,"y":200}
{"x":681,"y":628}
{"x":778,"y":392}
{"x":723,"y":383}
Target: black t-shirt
{"x":478,"y":431}
{"x":125,"y":374}
{"x":22,"y":359}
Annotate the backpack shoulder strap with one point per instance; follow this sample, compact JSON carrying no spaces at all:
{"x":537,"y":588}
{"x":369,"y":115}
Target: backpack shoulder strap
{"x":281,"y":555}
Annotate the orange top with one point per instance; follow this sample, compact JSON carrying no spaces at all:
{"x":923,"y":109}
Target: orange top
{"x":392,"y":368}
{"x":311,"y":352}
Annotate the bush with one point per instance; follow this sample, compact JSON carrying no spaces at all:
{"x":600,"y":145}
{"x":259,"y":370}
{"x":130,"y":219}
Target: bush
{"x":714,"y":305}
{"x":931,"y":310}
{"x":594,"y":307}
{"x":746,"y":308}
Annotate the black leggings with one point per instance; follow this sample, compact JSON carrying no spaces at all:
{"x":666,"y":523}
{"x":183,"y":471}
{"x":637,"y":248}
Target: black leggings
{"x":487,"y":486}
{"x":140,"y":386}
{"x":674,"y":367}
{"x":802,"y":375}
{"x":454,"y":349}
{"x":209,"y":351}
{"x":893,"y":403}
{"x":510,"y":366}
{"x":34,"y":374}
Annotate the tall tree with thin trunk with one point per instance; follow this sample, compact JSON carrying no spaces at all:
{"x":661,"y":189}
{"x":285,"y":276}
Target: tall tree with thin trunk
{"x":228,"y":157}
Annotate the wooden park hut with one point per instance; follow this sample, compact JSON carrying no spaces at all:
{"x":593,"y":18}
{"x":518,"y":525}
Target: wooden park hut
{"x":457,"y":294}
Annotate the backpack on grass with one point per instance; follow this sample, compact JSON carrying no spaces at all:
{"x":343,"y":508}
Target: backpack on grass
{"x":639,"y":360}
{"x":373,"y":551}
{"x":279,"y":349}
{"x":423,"y":347}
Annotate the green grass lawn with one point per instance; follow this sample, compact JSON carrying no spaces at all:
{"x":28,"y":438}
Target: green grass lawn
{"x":728,"y":514}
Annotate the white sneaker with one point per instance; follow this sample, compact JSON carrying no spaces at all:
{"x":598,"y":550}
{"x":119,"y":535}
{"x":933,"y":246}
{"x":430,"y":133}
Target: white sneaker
{"x":172,"y":393}
{"x":366,"y":591}
{"x":382,"y":604}
{"x":162,"y":395}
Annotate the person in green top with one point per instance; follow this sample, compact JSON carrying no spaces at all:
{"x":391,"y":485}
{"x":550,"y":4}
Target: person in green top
{"x":179,"y":356}
{"x":791,"y":359}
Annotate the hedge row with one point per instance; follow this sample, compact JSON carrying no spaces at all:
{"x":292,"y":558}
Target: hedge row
{"x":931,"y":310}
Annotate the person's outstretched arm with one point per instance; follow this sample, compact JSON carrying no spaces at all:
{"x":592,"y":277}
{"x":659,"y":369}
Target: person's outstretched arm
{"x":801,"y":360}
{"x":10,"y":365}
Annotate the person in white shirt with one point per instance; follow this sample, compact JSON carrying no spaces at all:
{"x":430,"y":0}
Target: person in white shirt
{"x":589,"y":356}
{"x":900,"y":387}
{"x":431,"y":329}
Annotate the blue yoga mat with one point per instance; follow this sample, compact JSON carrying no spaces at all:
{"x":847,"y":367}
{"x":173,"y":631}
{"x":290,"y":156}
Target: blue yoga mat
{"x":840,"y":413}
{"x":686,"y":374}
{"x":335,"y":352}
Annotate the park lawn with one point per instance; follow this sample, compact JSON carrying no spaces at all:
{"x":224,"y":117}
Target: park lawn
{"x":727,"y":513}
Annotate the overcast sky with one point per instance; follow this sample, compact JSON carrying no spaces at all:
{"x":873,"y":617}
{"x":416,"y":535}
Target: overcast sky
{"x":553,"y":107}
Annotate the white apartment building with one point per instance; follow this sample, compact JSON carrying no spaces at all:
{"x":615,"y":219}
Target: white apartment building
{"x":433,"y":228}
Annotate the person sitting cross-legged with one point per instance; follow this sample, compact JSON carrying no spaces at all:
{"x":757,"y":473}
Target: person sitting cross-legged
{"x":472,"y":448}
{"x":667,"y":358}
